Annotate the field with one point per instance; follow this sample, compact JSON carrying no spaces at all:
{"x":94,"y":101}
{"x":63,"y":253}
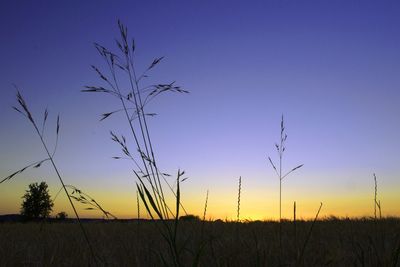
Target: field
{"x":337,"y":112}
{"x":332,"y":242}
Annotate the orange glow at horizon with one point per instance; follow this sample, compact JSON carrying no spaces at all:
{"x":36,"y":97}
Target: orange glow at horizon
{"x":224,"y":206}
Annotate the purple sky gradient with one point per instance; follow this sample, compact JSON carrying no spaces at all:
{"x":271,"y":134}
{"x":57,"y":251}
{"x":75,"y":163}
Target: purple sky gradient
{"x":331,"y":67}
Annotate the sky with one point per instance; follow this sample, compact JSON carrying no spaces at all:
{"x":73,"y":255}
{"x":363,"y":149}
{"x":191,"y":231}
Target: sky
{"x":330,"y":67}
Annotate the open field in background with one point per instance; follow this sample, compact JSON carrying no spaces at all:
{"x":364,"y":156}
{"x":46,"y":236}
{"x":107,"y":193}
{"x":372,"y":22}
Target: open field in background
{"x":336,"y":86}
{"x":333,"y":242}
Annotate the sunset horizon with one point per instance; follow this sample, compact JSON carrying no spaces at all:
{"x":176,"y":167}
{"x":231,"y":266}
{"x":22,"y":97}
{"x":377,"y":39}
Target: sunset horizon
{"x":212,"y":133}
{"x":334,"y":81}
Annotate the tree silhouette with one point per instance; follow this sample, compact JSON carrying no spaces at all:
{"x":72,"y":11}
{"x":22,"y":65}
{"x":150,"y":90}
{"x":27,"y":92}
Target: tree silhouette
{"x":37,"y":203}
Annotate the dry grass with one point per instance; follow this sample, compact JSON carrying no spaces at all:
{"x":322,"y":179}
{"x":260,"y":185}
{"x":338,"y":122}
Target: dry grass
{"x":333,"y":243}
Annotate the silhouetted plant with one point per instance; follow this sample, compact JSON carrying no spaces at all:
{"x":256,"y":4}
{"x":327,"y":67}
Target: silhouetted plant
{"x":83,"y":198}
{"x":24,"y":111}
{"x":62,"y":215}
{"x":300,"y":257}
{"x":37,"y":203}
{"x":204,"y":216}
{"x":238,"y":199}
{"x":377,"y":203}
{"x":133,"y":101}
{"x":295,"y":227}
{"x":189,"y":217}
{"x":133,"y":98}
{"x":280,"y":148}
{"x":138,"y":205}
{"x":205,"y":207}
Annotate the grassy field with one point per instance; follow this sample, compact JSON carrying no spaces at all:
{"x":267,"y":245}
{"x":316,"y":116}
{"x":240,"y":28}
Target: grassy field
{"x":332,"y":242}
{"x":166,"y":240}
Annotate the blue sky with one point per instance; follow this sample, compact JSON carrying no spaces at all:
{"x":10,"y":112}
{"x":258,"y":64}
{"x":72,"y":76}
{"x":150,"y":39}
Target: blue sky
{"x":331,"y":67}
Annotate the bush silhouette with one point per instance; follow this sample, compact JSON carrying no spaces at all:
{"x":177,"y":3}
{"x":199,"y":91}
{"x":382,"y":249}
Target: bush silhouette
{"x":189,"y":217}
{"x":37,"y":203}
{"x":62,"y":215}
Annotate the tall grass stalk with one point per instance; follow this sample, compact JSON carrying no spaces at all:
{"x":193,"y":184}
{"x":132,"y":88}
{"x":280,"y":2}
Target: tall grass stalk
{"x":90,"y":203}
{"x":85,"y":199}
{"x":300,"y":259}
{"x":205,"y":207}
{"x":295,"y":226}
{"x":138,"y":205}
{"x":133,"y":98}
{"x":238,"y":199}
{"x":24,"y":110}
{"x":377,"y":203}
{"x":204,"y":217}
{"x":280,"y":147}
{"x":133,"y":101}
{"x":168,"y":232}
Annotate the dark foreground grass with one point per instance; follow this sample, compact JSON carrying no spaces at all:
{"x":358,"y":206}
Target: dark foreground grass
{"x":332,"y":243}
